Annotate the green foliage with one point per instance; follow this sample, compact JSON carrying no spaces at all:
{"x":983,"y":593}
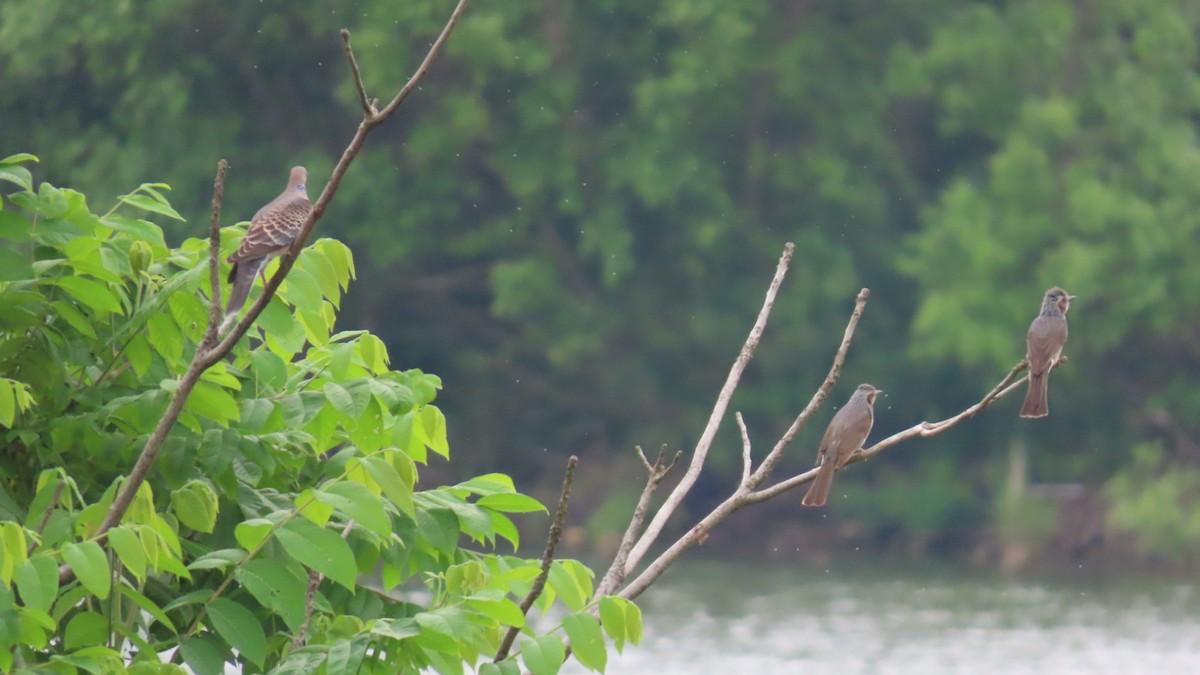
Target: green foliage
{"x":1157,"y":502}
{"x":291,"y":476}
{"x":587,"y":202}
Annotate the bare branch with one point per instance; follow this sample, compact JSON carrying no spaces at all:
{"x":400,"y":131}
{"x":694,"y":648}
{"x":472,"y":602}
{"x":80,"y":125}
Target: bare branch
{"x":743,"y":495}
{"x":214,"y":258}
{"x":539,"y":584}
{"x":434,"y":49}
{"x":310,"y":594}
{"x":714,"y":421}
{"x":814,"y":404}
{"x":746,"y":462}
{"x":368,"y":109}
{"x":655,"y":473}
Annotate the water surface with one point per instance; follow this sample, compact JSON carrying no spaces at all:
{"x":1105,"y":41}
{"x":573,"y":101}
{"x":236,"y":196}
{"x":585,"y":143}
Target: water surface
{"x":729,"y":618}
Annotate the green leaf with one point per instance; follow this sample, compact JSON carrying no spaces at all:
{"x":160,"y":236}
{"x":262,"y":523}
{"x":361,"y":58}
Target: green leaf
{"x":506,"y":667}
{"x":319,"y":549}
{"x":202,"y":655}
{"x":90,"y":566}
{"x":13,"y":227}
{"x":301,"y":291}
{"x":214,"y":402}
{"x":14,"y":265}
{"x":511,"y":503}
{"x":93,"y":294}
{"x":341,"y":400}
{"x":219,"y":559}
{"x":136,"y":228}
{"x":147,"y":203}
{"x":587,"y":642}
{"x":621,"y":619}
{"x":18,"y":175}
{"x":74,"y":317}
{"x":129,"y":549}
{"x":373,"y":353}
{"x":270,"y":371}
{"x":146,"y":605}
{"x":277,"y":587}
{"x":396,"y":629}
{"x":347,"y":656}
{"x":434,"y":424}
{"x":195,"y":505}
{"x":543,"y":655}
{"x":238,"y":626}
{"x":503,"y":610}
{"x":165,"y":337}
{"x":440,"y":528}
{"x":37,"y":582}
{"x":567,"y":586}
{"x":357,"y":502}
{"x":251,"y":533}
{"x":399,"y":492}
{"x":8,"y":403}
{"x":86,"y":629}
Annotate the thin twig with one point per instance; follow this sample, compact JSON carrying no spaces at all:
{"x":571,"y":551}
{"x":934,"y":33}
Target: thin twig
{"x":539,"y":583}
{"x":310,"y":594}
{"x":206,"y":358}
{"x":655,"y":474}
{"x":214,"y":258}
{"x":434,"y":49}
{"x":368,"y":109}
{"x":746,"y":461}
{"x":714,"y":421}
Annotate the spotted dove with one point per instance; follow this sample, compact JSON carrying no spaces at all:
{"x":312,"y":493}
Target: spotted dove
{"x":271,"y":231}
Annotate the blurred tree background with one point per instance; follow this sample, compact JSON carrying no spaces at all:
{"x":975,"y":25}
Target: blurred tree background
{"x":574,"y":222}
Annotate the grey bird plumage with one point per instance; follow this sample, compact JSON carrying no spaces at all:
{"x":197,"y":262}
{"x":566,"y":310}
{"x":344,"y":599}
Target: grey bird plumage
{"x":846,"y":433}
{"x":271,"y":232}
{"x":1043,"y":346}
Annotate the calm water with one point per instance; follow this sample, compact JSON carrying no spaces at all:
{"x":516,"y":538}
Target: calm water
{"x":731,"y":619}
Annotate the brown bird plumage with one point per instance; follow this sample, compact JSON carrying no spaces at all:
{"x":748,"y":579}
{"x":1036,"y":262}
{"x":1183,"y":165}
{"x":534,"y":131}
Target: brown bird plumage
{"x":846,"y":433}
{"x":1043,"y":346}
{"x":271,"y":231}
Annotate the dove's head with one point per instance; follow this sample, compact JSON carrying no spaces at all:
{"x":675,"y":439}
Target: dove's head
{"x":298,"y":180}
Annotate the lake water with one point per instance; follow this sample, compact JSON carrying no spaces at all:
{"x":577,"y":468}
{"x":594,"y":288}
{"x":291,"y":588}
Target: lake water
{"x":729,"y":619}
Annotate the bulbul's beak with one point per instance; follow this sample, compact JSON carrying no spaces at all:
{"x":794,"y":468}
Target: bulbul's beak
{"x":1071,"y":297}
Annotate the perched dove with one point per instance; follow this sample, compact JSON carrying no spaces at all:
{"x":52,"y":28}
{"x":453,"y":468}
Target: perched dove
{"x":271,"y":231}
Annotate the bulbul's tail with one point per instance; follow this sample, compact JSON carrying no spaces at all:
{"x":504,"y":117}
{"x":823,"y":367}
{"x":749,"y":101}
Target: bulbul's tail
{"x":1036,"y":403}
{"x":819,"y":491}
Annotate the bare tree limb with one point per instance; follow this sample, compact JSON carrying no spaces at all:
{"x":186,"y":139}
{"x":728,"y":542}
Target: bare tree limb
{"x":368,"y":109}
{"x":206,"y":354}
{"x":214,"y":258}
{"x":742,"y":495}
{"x":673,"y":501}
{"x":746,"y":459}
{"x":539,"y":583}
{"x":655,"y":473}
